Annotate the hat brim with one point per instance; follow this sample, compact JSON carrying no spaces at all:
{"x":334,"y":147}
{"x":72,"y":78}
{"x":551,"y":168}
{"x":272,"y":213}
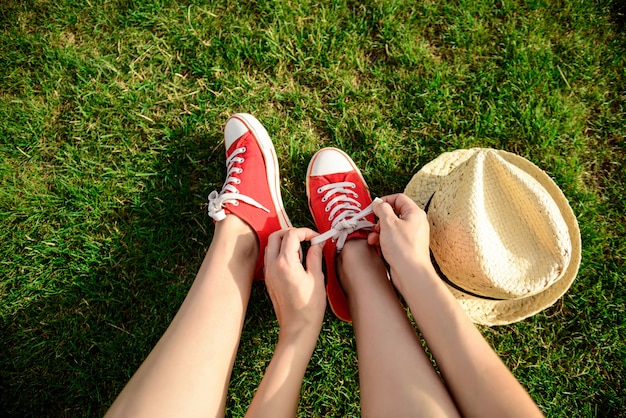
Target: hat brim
{"x":501,"y":312}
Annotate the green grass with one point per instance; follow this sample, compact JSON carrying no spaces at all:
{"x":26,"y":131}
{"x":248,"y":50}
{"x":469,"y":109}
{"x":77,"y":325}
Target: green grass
{"x":110,"y":139}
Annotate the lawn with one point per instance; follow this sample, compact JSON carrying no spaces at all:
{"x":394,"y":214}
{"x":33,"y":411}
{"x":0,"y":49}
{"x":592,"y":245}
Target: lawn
{"x":110,"y":141}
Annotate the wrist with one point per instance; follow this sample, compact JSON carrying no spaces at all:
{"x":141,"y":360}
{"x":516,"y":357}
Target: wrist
{"x":411,"y":273}
{"x":299,"y":334}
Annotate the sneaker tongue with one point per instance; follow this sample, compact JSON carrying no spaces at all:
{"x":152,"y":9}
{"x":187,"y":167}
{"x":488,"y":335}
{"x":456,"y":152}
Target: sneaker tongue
{"x":352,"y":226}
{"x":235,"y":191}
{"x":323,"y":180}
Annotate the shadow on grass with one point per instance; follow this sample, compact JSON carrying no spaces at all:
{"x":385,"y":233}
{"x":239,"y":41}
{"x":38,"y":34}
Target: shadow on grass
{"x":618,"y":14}
{"x":70,"y":352}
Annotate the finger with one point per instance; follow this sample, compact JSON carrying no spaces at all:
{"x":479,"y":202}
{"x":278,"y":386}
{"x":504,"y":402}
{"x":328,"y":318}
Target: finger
{"x":384,"y":211}
{"x":402,"y":204}
{"x":314,"y":260}
{"x":291,"y":240}
{"x":274,"y":242}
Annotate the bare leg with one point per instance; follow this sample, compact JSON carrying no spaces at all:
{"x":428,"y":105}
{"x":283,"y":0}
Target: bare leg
{"x":396,"y":377}
{"x":188,"y":371}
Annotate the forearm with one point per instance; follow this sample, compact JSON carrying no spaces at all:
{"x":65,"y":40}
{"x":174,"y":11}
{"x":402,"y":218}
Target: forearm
{"x":279,"y":391}
{"x":480,"y":383}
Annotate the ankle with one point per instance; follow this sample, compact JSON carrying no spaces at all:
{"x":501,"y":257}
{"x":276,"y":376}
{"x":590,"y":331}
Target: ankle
{"x":356,"y":257}
{"x":355,"y":248}
{"x":242,"y":235}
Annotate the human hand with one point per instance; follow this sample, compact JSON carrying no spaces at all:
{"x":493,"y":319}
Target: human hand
{"x":298,"y":295}
{"x":402,"y":232}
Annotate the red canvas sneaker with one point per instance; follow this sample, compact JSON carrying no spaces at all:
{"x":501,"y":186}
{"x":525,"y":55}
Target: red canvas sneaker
{"x":251,"y":190}
{"x":340,"y":203}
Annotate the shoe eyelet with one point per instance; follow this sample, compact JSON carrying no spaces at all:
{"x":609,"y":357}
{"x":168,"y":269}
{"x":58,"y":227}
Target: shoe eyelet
{"x":237,"y":181}
{"x":324,"y":199}
{"x":240,"y":170}
{"x":319,"y":190}
{"x":356,"y":195}
{"x":358,"y":204}
{"x":243,"y":149}
{"x":326,"y":209}
{"x":236,"y":203}
{"x":241,"y":160}
{"x":354,"y":185}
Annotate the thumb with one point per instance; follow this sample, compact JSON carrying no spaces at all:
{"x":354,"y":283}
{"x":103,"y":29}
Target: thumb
{"x":384,"y":212}
{"x":314,"y":259}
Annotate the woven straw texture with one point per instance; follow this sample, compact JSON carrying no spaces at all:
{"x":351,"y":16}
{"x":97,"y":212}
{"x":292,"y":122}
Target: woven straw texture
{"x":502,"y":233}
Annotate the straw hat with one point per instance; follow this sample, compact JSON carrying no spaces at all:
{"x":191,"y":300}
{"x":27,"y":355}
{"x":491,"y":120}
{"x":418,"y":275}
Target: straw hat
{"x":503,"y":236}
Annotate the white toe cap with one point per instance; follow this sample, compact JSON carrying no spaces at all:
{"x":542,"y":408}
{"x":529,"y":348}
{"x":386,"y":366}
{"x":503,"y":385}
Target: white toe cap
{"x":233,"y":130}
{"x":329,"y":161}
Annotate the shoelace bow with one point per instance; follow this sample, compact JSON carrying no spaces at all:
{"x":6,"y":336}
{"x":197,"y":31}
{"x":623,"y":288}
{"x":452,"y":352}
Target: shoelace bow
{"x":350,"y":216}
{"x":230,"y":193}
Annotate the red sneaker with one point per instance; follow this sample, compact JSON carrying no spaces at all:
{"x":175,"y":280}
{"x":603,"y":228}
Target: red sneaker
{"x":251,"y":190}
{"x":340,"y":203}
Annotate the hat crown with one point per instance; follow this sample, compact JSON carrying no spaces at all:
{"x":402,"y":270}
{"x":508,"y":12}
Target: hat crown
{"x":495,"y":230}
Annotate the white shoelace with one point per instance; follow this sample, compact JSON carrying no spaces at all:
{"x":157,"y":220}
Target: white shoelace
{"x":350,"y":216}
{"x":230,"y":193}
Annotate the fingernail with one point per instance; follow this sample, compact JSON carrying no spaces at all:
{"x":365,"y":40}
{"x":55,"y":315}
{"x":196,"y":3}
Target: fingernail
{"x":376,"y":201}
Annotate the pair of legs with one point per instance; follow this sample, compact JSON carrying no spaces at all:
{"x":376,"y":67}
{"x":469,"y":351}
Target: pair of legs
{"x":188,"y":371}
